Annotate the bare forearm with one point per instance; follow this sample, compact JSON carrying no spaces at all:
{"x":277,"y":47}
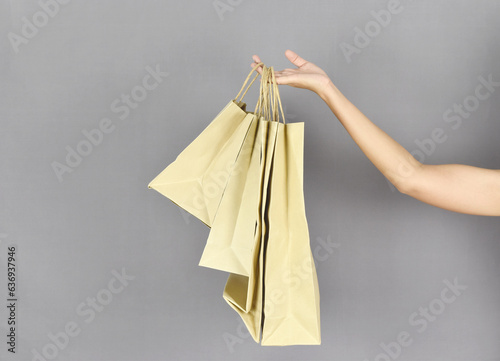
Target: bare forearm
{"x":455,"y":187}
{"x":394,"y":161}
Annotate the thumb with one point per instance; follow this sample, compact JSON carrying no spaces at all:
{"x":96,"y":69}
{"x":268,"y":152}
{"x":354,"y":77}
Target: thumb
{"x":295,"y":58}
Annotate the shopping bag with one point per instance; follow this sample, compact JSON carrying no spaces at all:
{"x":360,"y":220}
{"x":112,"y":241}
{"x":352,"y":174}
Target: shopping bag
{"x":196,"y":179}
{"x":279,"y":301}
{"x":244,"y":293}
{"x":232,"y":240}
{"x":291,"y":302}
{"x":291,"y":291}
{"x":229,"y":244}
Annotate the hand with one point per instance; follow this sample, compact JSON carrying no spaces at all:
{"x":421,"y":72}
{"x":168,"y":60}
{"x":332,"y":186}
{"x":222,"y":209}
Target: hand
{"x":306,"y":76}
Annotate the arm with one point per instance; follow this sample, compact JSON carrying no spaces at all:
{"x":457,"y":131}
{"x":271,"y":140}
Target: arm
{"x":454,"y":187}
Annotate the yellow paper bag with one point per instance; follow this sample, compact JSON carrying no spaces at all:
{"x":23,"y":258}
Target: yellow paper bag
{"x":231,"y":243}
{"x":196,"y":179}
{"x":231,"y":240}
{"x":244,"y":293}
{"x":279,"y":300}
{"x":291,"y":292}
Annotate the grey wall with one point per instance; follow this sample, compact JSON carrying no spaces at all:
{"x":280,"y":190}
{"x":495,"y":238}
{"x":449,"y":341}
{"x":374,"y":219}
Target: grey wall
{"x":387,"y":256}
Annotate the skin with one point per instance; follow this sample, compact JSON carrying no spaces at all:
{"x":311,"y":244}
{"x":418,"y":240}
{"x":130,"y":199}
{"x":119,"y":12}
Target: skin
{"x":454,"y":187}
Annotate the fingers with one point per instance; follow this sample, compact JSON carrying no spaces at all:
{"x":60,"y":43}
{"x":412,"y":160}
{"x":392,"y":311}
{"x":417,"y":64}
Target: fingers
{"x":281,"y":78}
{"x":256,"y":60}
{"x":259,"y":70}
{"x":294,"y":58}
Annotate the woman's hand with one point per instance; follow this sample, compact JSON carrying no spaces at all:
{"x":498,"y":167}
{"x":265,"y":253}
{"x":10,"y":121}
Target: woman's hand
{"x":306,"y":76}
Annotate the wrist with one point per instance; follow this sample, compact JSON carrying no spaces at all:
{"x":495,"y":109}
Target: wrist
{"x":326,"y":89}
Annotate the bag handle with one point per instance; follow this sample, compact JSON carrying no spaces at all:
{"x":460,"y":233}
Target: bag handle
{"x":262,"y":106}
{"x":276,"y":99}
{"x":246,"y":81}
{"x":269,"y":98}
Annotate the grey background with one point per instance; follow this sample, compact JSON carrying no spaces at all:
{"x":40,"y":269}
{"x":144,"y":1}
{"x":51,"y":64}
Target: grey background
{"x":391,"y":253}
